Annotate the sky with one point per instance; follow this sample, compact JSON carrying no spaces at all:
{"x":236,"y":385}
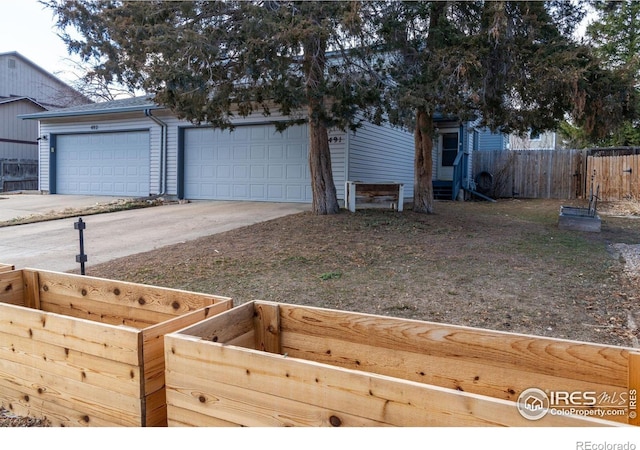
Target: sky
{"x":28,"y":28}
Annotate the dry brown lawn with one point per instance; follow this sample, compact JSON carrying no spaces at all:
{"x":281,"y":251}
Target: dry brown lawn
{"x":503,"y":266}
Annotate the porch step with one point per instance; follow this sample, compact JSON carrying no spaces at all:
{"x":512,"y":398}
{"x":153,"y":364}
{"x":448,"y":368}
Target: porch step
{"x":442,"y":190}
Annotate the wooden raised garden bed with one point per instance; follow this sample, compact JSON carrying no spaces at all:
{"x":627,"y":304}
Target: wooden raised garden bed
{"x":6,"y":267}
{"x":359,"y":195}
{"x":275,"y":364}
{"x":83,"y":351}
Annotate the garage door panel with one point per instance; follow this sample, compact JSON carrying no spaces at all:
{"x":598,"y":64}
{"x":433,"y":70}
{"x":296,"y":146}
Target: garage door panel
{"x":241,"y":173}
{"x":275,"y":190}
{"x":295,"y":153}
{"x":257,"y":153}
{"x":223,"y":153}
{"x":103,"y":164}
{"x":221,"y":191}
{"x":258,"y":172}
{"x":241,"y":191}
{"x":295,"y":172}
{"x":277,"y":152}
{"x":295,"y":192}
{"x":251,"y":163}
{"x":258,"y":192}
{"x":276,"y":172}
{"x":223,"y":172}
{"x":240,"y":153}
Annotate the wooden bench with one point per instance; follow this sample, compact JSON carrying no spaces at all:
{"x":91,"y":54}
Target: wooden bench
{"x":364,"y":195}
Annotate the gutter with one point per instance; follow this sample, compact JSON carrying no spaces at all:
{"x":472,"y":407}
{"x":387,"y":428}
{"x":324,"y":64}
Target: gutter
{"x":163,"y":150}
{"x":73,"y":112}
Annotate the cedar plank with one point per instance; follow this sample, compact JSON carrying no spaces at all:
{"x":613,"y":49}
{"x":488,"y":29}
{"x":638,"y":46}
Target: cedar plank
{"x":224,"y":326}
{"x":39,"y":389}
{"x":181,"y":417}
{"x":31,"y":289}
{"x":59,"y":415}
{"x":579,"y":360}
{"x":101,"y":312}
{"x":393,"y":401}
{"x":117,"y":343}
{"x":70,"y":364}
{"x":467,"y":376}
{"x":12,"y":288}
{"x":243,"y":407}
{"x":173,"y":302}
{"x":267,"y":327}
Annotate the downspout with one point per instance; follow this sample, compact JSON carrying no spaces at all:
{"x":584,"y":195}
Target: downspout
{"x":163,"y":151}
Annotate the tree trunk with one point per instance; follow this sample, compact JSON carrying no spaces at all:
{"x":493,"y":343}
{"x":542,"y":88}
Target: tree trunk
{"x":423,"y":163}
{"x":323,"y":188}
{"x":325,"y":200}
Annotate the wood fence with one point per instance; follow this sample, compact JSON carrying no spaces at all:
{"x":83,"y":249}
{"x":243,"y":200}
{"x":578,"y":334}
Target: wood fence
{"x":561,"y":174}
{"x":18,"y":174}
{"x":531,"y":173}
{"x":617,"y":177}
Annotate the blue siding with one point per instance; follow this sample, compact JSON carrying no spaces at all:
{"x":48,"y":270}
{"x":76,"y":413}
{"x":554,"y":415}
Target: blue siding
{"x":487,"y":140}
{"x":381,"y":154}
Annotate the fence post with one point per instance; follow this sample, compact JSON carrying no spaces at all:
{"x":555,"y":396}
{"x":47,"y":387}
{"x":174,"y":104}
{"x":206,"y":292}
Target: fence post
{"x":81,"y":258}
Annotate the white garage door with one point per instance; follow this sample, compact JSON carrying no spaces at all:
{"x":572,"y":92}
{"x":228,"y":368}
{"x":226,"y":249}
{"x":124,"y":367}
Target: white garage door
{"x":250,"y":163}
{"x":103,"y":164}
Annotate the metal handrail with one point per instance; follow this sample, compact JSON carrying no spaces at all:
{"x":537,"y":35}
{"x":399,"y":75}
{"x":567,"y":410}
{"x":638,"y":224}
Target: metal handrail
{"x":458,"y":175}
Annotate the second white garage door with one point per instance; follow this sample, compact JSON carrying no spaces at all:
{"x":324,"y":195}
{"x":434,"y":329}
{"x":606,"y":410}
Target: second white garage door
{"x":250,"y":163}
{"x":103,"y":164}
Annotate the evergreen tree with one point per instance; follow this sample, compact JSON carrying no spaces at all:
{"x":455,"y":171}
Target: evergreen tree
{"x":510,"y":65}
{"x":615,"y":35}
{"x":209,"y":61}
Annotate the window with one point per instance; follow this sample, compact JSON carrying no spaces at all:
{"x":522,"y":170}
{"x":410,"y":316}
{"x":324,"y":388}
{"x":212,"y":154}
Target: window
{"x":449,"y":148}
{"x":12,"y":63}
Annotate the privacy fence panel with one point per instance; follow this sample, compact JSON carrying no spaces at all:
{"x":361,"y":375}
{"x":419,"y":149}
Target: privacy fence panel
{"x":18,"y":174}
{"x":615,"y":177}
{"x":531,"y":173}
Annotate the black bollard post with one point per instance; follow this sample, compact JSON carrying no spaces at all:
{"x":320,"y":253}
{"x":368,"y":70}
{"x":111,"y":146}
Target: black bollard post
{"x":81,"y":258}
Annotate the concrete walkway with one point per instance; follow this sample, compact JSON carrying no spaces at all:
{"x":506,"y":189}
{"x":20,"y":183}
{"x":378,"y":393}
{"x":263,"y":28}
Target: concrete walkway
{"x":53,"y":245}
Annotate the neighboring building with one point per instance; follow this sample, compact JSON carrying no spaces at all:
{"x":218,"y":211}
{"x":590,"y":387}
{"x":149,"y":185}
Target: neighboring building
{"x":27,"y":88}
{"x":18,"y":137}
{"x":535,"y":141}
{"x":136,"y":148}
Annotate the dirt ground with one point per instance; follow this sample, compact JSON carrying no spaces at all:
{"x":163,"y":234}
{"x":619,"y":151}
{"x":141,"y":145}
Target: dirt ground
{"x":503,"y":266}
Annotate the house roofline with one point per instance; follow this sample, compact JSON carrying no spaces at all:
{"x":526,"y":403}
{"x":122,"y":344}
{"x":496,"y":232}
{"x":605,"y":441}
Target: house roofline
{"x":7,"y":100}
{"x":43,"y":71}
{"x":113,"y":107}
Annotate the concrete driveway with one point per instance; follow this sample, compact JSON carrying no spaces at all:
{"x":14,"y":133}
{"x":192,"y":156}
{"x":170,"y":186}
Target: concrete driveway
{"x":53,"y":245}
